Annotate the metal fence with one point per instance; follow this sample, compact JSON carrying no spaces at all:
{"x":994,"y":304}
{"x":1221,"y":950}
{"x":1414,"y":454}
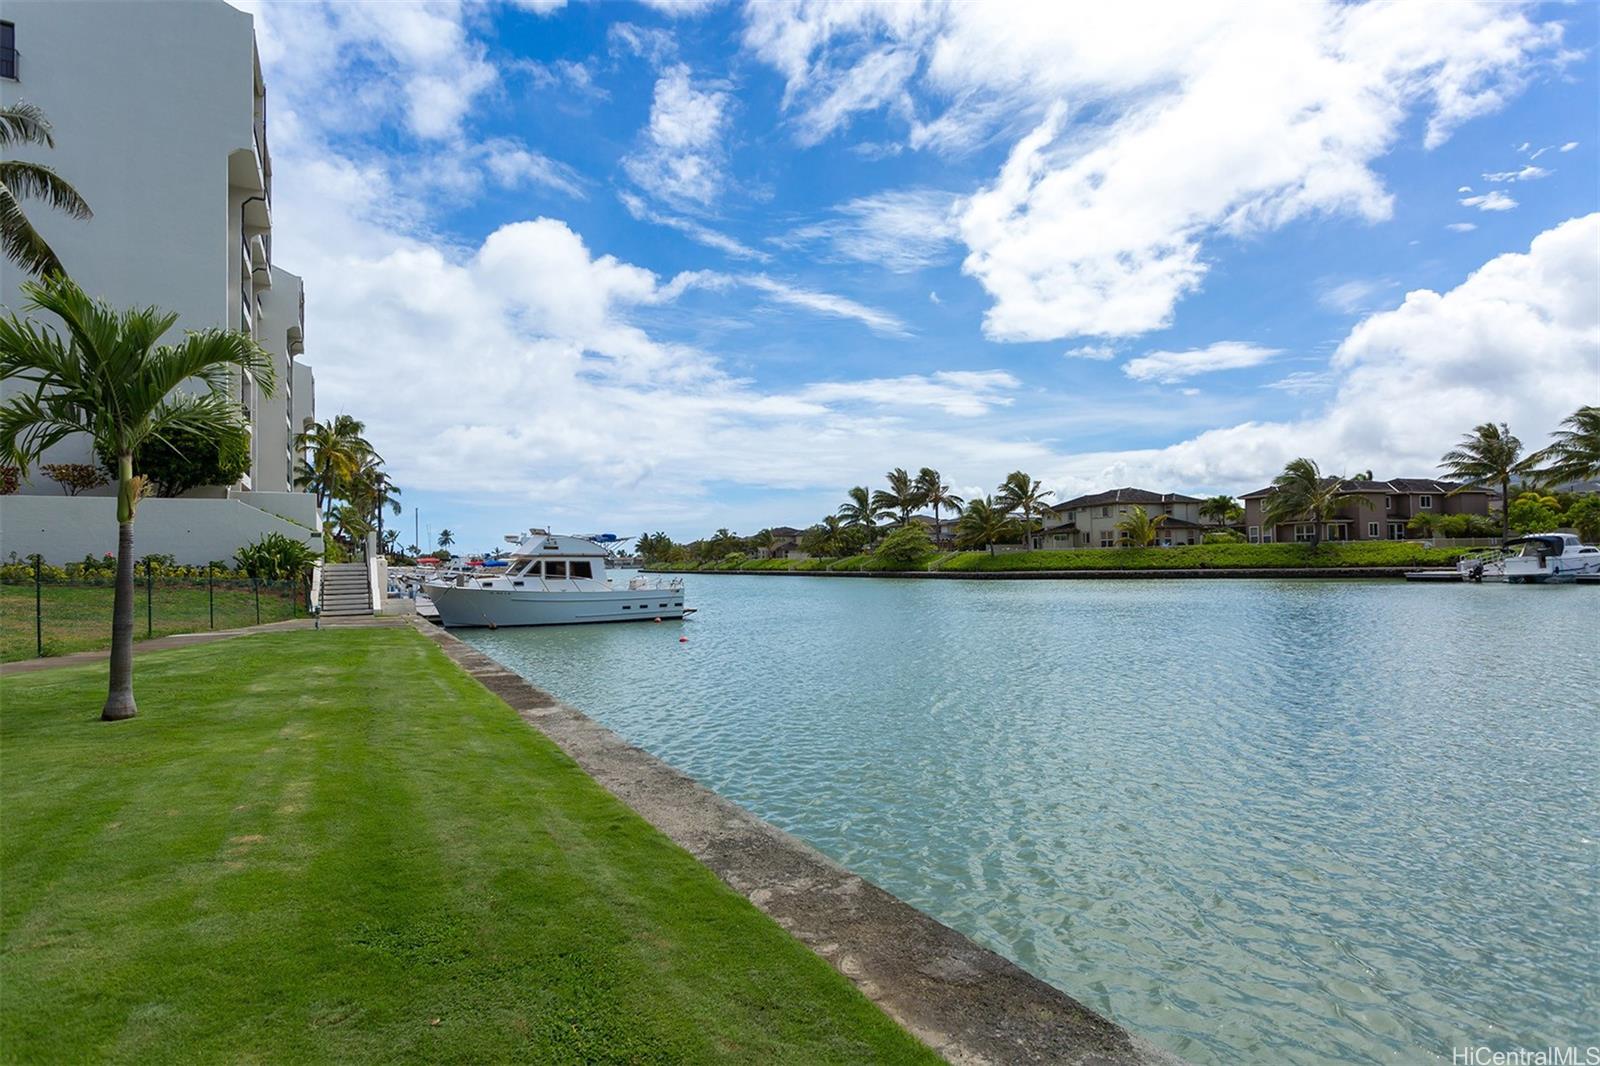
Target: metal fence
{"x":44,"y":613}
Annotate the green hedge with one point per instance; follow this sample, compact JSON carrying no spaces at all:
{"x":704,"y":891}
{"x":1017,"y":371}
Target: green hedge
{"x":1210,"y":557}
{"x":1197,"y":557}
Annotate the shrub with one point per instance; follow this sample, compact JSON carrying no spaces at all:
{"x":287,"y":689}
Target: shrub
{"x":907,"y":548}
{"x":10,"y":480}
{"x":184,"y":461}
{"x":74,"y":477}
{"x":275,"y":557}
{"x":1584,"y":517}
{"x":1222,"y":536}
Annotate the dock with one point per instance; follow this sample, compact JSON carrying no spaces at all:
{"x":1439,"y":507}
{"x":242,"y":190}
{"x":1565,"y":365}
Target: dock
{"x":1434,"y":575}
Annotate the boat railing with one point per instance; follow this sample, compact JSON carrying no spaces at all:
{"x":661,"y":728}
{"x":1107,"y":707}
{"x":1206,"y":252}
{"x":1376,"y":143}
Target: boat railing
{"x":639,"y":583}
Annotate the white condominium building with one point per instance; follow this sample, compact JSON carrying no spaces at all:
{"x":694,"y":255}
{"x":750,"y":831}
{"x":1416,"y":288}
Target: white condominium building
{"x":159,"y":115}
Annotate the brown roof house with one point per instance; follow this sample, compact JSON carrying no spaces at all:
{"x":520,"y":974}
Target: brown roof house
{"x":1393,"y":503}
{"x":1091,"y":521}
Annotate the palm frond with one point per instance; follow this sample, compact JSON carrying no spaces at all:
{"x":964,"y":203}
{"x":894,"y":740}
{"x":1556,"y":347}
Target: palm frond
{"x":35,"y":181}
{"x":24,"y":123}
{"x":21,"y":243}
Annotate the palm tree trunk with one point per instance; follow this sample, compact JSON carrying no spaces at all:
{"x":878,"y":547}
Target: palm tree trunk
{"x":1505,"y":509}
{"x":119,"y":700}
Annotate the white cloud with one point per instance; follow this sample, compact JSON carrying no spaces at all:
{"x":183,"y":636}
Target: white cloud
{"x":962,"y":393}
{"x":827,"y":304}
{"x":1098,"y":352}
{"x":933,"y":297}
{"x":695,"y":231}
{"x":1494,"y":200}
{"x":1302,"y":382}
{"x":1168,"y":367}
{"x":903,"y":230}
{"x":1569,"y":146}
{"x":1465,"y":188}
{"x":1527,"y":173}
{"x":512,"y":164}
{"x":1487,"y":350}
{"x":1204,"y":120}
{"x":683,"y":159}
{"x":1461,"y":227}
{"x":1349,"y":297}
{"x":681,"y":8}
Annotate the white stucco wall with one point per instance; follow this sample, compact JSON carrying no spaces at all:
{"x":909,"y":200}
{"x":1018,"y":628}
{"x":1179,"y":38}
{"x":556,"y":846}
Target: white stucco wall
{"x":65,"y":529}
{"x":280,"y":313}
{"x":153,"y":106}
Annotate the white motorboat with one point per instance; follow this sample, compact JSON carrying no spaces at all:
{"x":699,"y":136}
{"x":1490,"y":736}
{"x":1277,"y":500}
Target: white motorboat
{"x":1484,"y":566}
{"x":552,"y":581}
{"x":1548,"y":558}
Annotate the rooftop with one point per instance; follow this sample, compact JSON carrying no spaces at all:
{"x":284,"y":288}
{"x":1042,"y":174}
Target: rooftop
{"x":1125,"y":495}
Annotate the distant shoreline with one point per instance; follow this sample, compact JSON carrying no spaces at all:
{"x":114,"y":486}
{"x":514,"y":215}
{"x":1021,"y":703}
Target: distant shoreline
{"x":1088,"y":575}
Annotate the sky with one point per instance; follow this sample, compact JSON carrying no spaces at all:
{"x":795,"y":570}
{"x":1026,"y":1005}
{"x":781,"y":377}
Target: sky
{"x":680,"y":266}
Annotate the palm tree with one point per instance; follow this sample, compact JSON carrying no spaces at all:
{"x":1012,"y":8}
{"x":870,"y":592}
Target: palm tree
{"x":1021,"y":493}
{"x":984,"y":522}
{"x":1223,"y":510}
{"x":333,"y":456}
{"x":936,"y":494}
{"x":1302,"y":493}
{"x":110,"y":379}
{"x":24,"y":123}
{"x":1141,"y":527}
{"x":446,"y":538}
{"x":901,"y":498}
{"x":832,"y":534}
{"x":371,"y":491}
{"x":862,"y":511}
{"x":1574,"y":454}
{"x":1489,"y":455}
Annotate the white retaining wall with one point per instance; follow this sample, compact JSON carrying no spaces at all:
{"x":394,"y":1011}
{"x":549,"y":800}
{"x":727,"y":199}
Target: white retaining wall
{"x":64,"y":529}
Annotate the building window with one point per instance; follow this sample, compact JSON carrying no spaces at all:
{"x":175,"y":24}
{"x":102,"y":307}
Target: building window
{"x":1108,"y":539}
{"x":1388,"y":503}
{"x":1425,"y":502}
{"x":1105,"y":512}
{"x":1397,"y":531}
{"x":1303,"y":533}
{"x":8,"y":50}
{"x":1372,"y":531}
{"x":1255,"y":534}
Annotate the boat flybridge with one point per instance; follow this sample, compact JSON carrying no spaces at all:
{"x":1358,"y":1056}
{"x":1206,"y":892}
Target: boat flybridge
{"x":1548,"y":558}
{"x":551,"y":581}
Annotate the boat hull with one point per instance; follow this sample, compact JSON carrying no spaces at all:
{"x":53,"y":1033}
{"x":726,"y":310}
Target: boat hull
{"x":1554,"y":574}
{"x":461,"y":607}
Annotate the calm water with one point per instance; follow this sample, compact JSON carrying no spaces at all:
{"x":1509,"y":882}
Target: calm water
{"x":1255,"y":821}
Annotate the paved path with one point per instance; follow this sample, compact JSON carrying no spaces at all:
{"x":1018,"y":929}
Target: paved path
{"x":185,"y":640}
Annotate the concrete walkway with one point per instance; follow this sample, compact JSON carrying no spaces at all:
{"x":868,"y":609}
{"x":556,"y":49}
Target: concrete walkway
{"x":184,"y":640}
{"x":961,"y":999}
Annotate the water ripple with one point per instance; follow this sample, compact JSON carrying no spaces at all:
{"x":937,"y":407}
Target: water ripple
{"x":1257,"y":821}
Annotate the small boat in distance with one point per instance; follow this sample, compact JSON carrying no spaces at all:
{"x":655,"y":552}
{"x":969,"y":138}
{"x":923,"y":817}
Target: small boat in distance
{"x":1549,"y":558}
{"x":551,"y":581}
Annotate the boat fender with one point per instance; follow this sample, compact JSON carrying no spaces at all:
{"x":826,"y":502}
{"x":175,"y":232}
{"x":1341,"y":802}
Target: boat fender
{"x":683,"y":640}
{"x":658,"y":619}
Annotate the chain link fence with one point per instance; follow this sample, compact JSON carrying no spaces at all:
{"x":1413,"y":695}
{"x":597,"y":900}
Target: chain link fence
{"x":50,"y":610}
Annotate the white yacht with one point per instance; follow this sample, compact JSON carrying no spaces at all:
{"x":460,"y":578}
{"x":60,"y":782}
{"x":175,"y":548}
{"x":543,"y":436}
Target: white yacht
{"x":1550,"y":557}
{"x":552,"y":581}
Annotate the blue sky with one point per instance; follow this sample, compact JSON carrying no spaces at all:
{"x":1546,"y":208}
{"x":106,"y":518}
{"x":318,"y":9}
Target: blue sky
{"x":609,"y":266}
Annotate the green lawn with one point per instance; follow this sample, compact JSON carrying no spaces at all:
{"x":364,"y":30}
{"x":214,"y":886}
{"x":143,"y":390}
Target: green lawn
{"x":335,"y":845}
{"x":78,"y":617}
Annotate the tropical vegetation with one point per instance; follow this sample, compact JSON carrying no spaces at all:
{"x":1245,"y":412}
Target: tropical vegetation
{"x":1303,"y":494}
{"x":346,"y":474}
{"x":24,"y":123}
{"x":1574,"y":454}
{"x":1489,"y":456}
{"x":1140,"y":528}
{"x":111,"y":379}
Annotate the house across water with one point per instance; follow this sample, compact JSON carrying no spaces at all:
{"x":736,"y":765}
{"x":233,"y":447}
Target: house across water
{"x":1389,"y":508}
{"x":1091,"y":521}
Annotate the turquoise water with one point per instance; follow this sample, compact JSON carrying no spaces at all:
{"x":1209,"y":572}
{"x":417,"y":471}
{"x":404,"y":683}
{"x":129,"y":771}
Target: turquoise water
{"x":1255,"y":821}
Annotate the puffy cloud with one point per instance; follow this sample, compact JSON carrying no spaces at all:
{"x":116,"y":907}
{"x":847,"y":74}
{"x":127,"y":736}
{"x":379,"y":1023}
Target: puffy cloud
{"x":1187,"y":121}
{"x":680,"y":8}
{"x":1168,"y":367}
{"x":1488,"y":350}
{"x":682,"y":161}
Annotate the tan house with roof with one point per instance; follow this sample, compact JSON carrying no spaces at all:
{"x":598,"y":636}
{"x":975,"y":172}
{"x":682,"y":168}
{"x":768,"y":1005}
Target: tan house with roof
{"x":1390,"y":506}
{"x":1091,"y":521}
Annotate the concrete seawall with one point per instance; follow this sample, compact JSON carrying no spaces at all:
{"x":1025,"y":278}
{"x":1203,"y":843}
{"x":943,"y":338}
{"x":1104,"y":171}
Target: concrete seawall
{"x":1071,"y":575}
{"x":966,"y":1002}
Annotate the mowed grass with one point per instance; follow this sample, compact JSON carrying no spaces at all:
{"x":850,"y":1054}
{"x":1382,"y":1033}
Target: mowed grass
{"x":335,"y":845}
{"x":78,"y":617}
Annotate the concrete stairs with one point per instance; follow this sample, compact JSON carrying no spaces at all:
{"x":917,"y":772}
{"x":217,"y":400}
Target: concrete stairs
{"x":346,"y":591}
